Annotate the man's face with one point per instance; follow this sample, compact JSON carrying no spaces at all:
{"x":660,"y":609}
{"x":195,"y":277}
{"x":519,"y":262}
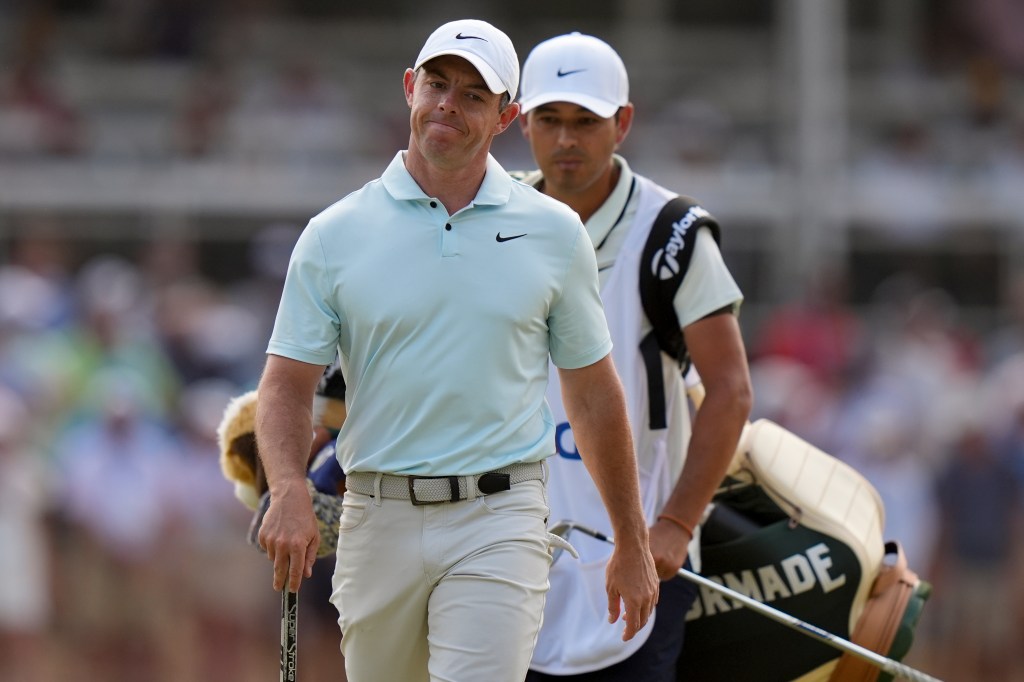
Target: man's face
{"x":453,"y":114}
{"x":573,"y":146}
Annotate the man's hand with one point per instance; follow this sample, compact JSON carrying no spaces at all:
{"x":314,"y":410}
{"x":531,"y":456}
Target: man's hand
{"x":631,"y":579}
{"x":289,"y":535}
{"x":284,"y":433}
{"x":669,"y":546}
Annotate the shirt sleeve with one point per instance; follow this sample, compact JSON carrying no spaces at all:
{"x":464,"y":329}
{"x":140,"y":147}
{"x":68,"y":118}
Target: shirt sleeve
{"x":307,"y":326}
{"x":577,"y":325}
{"x":708,"y":285}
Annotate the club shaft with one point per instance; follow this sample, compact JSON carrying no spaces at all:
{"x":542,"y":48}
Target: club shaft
{"x":886,"y":664}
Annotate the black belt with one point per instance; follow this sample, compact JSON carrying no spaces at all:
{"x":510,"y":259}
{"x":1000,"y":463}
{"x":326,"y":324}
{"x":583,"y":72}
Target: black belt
{"x":439,"y":489}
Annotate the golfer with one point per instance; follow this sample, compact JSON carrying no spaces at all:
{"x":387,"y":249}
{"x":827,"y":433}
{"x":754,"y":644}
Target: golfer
{"x":575,"y":101}
{"x":446,"y":287}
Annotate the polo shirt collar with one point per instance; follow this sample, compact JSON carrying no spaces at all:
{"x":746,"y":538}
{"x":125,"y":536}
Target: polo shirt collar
{"x":495,"y":189}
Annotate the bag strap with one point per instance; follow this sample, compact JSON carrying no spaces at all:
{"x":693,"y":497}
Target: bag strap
{"x":665,"y":260}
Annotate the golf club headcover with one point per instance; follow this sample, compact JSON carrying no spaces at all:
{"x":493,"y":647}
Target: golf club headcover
{"x":239,"y":461}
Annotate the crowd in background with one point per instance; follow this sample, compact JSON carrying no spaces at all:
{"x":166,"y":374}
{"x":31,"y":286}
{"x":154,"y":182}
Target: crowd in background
{"x":216,"y":85}
{"x":123,"y":553}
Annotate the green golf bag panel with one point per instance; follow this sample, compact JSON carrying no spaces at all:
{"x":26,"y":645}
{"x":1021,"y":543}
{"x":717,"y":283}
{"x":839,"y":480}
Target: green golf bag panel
{"x":751,"y":546}
{"x":802,"y":531}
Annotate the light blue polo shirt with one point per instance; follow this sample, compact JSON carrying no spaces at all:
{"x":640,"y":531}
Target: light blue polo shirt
{"x":444,"y":323}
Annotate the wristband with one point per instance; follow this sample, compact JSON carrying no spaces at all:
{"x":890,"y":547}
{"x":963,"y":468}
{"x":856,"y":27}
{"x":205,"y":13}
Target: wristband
{"x":679,"y":522}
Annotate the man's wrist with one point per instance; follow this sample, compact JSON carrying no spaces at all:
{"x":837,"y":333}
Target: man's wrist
{"x":288,"y":485}
{"x":678,"y":522}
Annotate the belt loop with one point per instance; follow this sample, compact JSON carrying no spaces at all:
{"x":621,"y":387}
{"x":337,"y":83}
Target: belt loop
{"x":471,"y":487}
{"x":376,"y":488}
{"x":544,"y":471}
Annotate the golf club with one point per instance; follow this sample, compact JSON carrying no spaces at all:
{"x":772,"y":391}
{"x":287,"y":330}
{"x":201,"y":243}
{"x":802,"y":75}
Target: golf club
{"x":888,"y":665}
{"x":289,"y":633}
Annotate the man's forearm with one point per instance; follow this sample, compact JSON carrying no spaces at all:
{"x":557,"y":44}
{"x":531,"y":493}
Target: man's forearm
{"x":284,"y":435}
{"x":717,"y":427}
{"x":284,"y":423}
{"x":597,"y":412}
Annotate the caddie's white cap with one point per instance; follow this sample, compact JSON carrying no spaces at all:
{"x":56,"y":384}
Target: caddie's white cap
{"x":575,"y":68}
{"x":483,"y":46}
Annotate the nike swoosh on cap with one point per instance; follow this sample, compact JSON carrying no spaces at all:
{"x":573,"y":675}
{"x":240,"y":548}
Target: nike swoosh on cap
{"x":563,"y":74}
{"x":498,"y":238}
{"x":459,"y":36}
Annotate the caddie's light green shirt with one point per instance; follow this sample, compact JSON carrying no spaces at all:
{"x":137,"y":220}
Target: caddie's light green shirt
{"x":444,"y":323}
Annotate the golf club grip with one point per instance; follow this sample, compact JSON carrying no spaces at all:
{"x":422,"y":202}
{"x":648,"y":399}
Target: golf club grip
{"x":289,"y":634}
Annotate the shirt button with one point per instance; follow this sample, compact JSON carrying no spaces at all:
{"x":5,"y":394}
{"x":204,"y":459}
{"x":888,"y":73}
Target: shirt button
{"x":433,"y":204}
{"x":448,"y":227}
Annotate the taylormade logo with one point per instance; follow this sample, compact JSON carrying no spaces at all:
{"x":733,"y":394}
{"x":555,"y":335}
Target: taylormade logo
{"x":799,"y":573}
{"x":665,"y":265}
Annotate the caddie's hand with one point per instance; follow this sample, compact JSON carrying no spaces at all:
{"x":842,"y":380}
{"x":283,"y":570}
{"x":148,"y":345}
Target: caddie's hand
{"x":289,"y":534}
{"x":631,"y":580}
{"x":669,"y":546}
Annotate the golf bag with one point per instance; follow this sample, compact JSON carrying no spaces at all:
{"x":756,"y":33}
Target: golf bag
{"x":798,"y":529}
{"x":791,"y":526}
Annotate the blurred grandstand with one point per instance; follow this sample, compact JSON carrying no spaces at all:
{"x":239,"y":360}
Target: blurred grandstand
{"x":158,"y":158}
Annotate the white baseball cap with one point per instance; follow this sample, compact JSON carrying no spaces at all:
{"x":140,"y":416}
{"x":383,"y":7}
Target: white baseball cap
{"x":483,"y":46}
{"x":575,"y":68}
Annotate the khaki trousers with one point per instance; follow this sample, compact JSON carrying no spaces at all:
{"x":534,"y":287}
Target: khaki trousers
{"x":450,"y":592}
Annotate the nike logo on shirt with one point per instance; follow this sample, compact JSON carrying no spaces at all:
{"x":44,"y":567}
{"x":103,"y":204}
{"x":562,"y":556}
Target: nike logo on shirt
{"x":498,"y":238}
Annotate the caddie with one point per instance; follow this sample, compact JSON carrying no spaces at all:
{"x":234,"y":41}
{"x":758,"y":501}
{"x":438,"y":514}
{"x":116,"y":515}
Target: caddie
{"x":575,"y":101}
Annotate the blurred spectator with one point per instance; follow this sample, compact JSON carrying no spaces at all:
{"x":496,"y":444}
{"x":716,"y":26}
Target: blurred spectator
{"x":1007,"y":339}
{"x":115,"y":466}
{"x":115,"y":330}
{"x":979,"y":132}
{"x":297,"y":115}
{"x":109,"y":329}
{"x":980,"y":527}
{"x":887,"y":454}
{"x":24,"y":558}
{"x":820,"y":332}
{"x":28,"y":303}
{"x":171,"y":29}
{"x":171,"y":256}
{"x":996,"y":27}
{"x":702,"y":133}
{"x":207,"y":336}
{"x":213,"y":568}
{"x":267,"y":253}
{"x":922,"y":345}
{"x":201,"y":123}
{"x":904,"y":171}
{"x":35,"y":118}
{"x":790,"y":394}
{"x":40,"y":248}
{"x":114,"y":462}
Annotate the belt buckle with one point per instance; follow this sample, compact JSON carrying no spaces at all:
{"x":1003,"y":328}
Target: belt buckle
{"x":453,"y":482}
